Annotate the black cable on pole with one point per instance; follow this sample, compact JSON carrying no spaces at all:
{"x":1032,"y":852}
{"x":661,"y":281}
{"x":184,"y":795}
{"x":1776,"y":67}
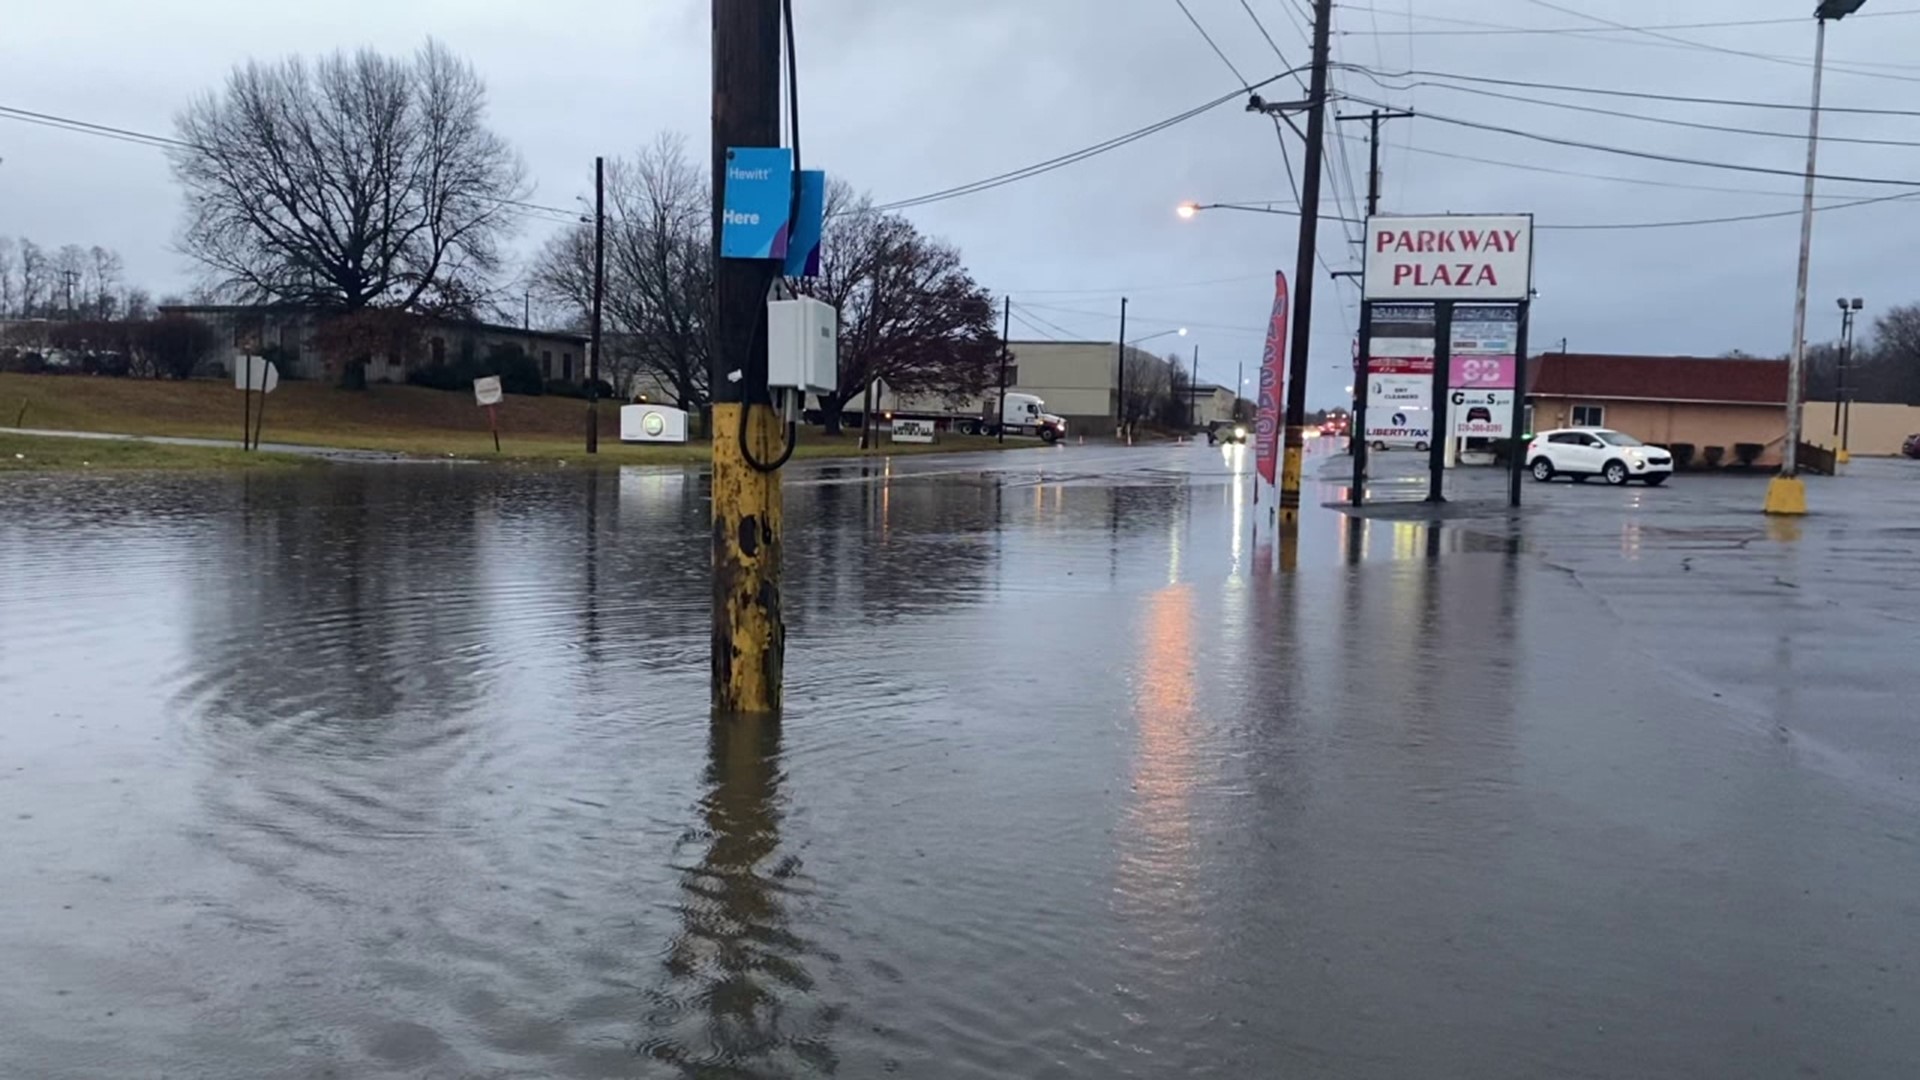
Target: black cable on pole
{"x":760,"y":324}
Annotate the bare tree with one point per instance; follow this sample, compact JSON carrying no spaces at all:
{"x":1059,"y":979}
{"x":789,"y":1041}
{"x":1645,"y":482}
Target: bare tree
{"x":1148,"y":384}
{"x":101,"y":283}
{"x":356,"y":181}
{"x":9,"y":277}
{"x":910,"y":314}
{"x":69,"y":271}
{"x":659,"y":284}
{"x":33,"y":277}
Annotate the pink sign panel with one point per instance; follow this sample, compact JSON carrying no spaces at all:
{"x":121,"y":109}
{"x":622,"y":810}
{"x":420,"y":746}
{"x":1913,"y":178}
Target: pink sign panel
{"x":1483,"y":373}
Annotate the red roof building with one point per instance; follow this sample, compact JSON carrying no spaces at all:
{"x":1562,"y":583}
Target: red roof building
{"x":1664,"y":400}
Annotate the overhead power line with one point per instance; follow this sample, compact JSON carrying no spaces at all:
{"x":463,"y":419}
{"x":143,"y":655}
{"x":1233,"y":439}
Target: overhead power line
{"x":1211,"y":44}
{"x":1645,"y":95}
{"x":1492,"y":29}
{"x":1478,"y":159}
{"x":164,"y":142}
{"x":1076,"y":156}
{"x":1795,"y":136}
{"x":1702,"y":46}
{"x":1652,"y":155}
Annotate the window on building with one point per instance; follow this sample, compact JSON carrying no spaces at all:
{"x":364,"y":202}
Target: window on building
{"x":439,"y":351}
{"x":1589,"y":416}
{"x":546,"y":363}
{"x":566,"y":366}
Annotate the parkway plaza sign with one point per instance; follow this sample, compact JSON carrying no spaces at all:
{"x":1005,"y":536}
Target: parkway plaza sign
{"x":1454,"y":257}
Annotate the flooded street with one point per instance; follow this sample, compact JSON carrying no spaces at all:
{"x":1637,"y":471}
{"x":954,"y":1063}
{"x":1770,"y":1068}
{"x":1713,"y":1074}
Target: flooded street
{"x":408,"y":772}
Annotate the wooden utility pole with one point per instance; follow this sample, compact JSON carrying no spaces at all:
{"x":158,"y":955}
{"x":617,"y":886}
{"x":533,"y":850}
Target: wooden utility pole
{"x":1006,"y":327}
{"x":1294,"y":446}
{"x":749,"y":635}
{"x":1363,"y":352}
{"x":1193,"y":391}
{"x":599,"y":293}
{"x":1293,"y":456}
{"x":1120,"y":411}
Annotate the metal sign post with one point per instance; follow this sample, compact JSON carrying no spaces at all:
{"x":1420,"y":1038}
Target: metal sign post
{"x":487,"y":393}
{"x":1517,"y":431}
{"x":1442,"y":430}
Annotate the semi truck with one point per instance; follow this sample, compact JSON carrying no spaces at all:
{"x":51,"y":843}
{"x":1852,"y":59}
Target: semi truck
{"x":1020,"y":414}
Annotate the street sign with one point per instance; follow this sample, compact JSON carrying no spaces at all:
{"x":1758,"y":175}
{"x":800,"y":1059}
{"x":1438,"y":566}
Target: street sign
{"x":486,"y":390}
{"x":1455,"y":257}
{"x":1482,"y":414}
{"x":256,"y":373}
{"x":913,"y":431}
{"x":757,"y":202}
{"x":1403,"y":425}
{"x":803,"y":248}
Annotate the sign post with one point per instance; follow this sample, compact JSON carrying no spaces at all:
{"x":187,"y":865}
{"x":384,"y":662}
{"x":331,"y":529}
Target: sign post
{"x":487,"y":393}
{"x":1478,"y":366}
{"x":252,"y":373}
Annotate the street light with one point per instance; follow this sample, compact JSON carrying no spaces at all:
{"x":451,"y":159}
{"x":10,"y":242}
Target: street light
{"x":1842,"y":402}
{"x":1187,"y":210}
{"x":1787,"y":493}
{"x":1182,"y":332}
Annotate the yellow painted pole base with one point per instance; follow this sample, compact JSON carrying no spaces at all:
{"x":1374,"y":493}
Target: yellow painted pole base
{"x":749,"y":633}
{"x":1786,"y":496}
{"x":1842,"y":457}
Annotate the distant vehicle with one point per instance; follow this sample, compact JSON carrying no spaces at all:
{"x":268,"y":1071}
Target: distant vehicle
{"x":1226,"y":431}
{"x":1912,"y":446}
{"x":1021,"y":414}
{"x":1582,"y":452}
{"x":1384,"y":445}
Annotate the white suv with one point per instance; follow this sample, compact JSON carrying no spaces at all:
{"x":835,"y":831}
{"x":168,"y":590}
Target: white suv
{"x":1584,"y":452}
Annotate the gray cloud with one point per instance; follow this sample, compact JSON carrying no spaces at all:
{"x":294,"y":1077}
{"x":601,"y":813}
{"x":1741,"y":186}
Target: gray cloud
{"x":910,"y":96}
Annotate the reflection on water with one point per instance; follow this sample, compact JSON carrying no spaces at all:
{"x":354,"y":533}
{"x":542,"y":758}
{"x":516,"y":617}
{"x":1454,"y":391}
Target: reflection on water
{"x":738,"y":997}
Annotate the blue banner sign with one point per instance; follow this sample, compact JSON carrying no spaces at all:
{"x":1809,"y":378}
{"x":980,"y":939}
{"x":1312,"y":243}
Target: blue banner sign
{"x":803,"y":250}
{"x":758,"y":199}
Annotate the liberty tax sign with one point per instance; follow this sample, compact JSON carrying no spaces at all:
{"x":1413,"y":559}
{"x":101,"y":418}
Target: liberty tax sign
{"x":1456,"y":257}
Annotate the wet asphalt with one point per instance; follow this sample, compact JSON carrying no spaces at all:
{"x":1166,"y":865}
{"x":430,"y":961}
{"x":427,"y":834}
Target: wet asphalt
{"x":1084,"y":773}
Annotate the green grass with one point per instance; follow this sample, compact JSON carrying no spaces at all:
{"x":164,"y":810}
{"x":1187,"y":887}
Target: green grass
{"x":29,"y":453}
{"x":398,"y":419}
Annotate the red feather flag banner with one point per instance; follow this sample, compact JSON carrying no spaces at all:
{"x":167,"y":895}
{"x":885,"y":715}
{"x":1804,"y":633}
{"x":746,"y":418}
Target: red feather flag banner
{"x":1273,"y":366}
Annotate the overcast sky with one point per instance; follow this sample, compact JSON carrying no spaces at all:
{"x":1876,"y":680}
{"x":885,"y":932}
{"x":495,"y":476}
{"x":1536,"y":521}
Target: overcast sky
{"x":905,"y":97}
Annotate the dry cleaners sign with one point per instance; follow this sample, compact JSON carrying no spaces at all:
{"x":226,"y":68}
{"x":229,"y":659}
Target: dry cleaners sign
{"x":1456,"y":257}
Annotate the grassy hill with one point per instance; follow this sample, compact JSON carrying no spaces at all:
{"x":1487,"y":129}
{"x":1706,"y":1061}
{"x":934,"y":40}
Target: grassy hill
{"x":403,"y":419}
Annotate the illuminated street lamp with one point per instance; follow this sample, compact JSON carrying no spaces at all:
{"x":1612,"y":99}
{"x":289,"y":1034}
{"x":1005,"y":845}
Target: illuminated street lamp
{"x":1187,"y":210}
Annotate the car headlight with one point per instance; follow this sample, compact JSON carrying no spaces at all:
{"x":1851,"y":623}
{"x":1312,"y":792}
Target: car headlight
{"x":1636,"y":457}
{"x":1239,"y":433}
